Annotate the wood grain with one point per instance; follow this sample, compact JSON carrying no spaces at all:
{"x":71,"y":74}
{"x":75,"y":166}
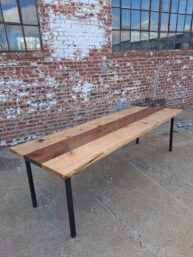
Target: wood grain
{"x":40,"y":156}
{"x":73,"y":161}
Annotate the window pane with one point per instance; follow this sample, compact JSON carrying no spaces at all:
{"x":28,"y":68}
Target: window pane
{"x":3,"y":40}
{"x":135,"y":19}
{"x":144,"y":20}
{"x":145,"y":4}
{"x":164,"y":21}
{"x":125,"y":19}
{"x":144,"y":40}
{"x":180,"y":22}
{"x":182,"y":6}
{"x":175,"y":5}
{"x":116,"y":18}
{"x":125,"y":40}
{"x":10,"y":11}
{"x":186,"y":41}
{"x":190,"y":6}
{"x":116,"y":40}
{"x":28,"y":11}
{"x":155,"y":5}
{"x":179,"y":41}
{"x":170,"y":41}
{"x":153,"y":42}
{"x":166,"y":5}
{"x":163,"y":40}
{"x":15,"y":37}
{"x":135,"y":40}
{"x":154,"y":21}
{"x":116,"y":3}
{"x":1,"y":17}
{"x":173,"y":22}
{"x":136,"y":4}
{"x":188,"y":23}
{"x":126,"y":3}
{"x":32,"y":38}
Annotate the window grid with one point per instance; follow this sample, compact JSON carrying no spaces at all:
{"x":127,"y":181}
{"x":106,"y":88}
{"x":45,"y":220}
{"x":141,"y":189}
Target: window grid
{"x":187,"y":15}
{"x":21,"y":24}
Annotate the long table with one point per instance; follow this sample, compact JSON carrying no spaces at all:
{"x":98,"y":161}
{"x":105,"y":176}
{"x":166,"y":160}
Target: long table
{"x":67,"y":152}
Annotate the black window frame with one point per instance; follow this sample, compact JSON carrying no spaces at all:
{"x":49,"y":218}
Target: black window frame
{"x":159,"y":31}
{"x":4,"y":23}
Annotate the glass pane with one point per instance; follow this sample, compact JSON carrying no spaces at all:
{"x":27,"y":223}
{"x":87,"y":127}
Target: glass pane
{"x":1,"y":17}
{"x":126,"y":3}
{"x":175,"y":5}
{"x":10,"y":11}
{"x":116,"y":18}
{"x":173,"y":22}
{"x":170,"y":41}
{"x":186,"y":41}
{"x":182,"y":6}
{"x":125,"y":40}
{"x":163,"y":40}
{"x":28,"y":11}
{"x":125,"y":19}
{"x":136,"y":4}
{"x":180,"y":22}
{"x":144,"y":40}
{"x":164,"y":21}
{"x":191,"y":44}
{"x":179,"y":41}
{"x":166,"y":5}
{"x":32,"y":38}
{"x":135,"y":40}
{"x":188,"y":23}
{"x":154,"y":21}
{"x":155,"y":5}
{"x":3,"y":40}
{"x":116,"y":40}
{"x":15,"y":37}
{"x":144,"y":20}
{"x":190,"y":6}
{"x":116,"y":3}
{"x":145,"y":4}
{"x":135,"y":19}
{"x":153,"y":42}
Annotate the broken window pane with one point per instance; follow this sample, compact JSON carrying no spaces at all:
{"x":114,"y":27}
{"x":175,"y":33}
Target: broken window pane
{"x":116,"y":18}
{"x":125,"y":19}
{"x":125,"y":40}
{"x":32,"y":38}
{"x":170,"y":41}
{"x":3,"y":40}
{"x":15,"y":37}
{"x":179,"y":41}
{"x":28,"y":12}
{"x":186,"y":41}
{"x":10,"y":11}
{"x":144,"y":20}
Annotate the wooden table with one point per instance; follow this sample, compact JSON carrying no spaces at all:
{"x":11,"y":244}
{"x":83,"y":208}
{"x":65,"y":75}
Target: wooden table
{"x":68,"y":152}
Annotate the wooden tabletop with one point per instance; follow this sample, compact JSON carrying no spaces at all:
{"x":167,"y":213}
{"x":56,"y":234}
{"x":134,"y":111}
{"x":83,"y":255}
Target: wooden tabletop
{"x":67,"y":152}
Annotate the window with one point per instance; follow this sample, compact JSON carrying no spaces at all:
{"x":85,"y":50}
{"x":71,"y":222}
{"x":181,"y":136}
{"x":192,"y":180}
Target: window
{"x":152,"y":24}
{"x":19,"y":26}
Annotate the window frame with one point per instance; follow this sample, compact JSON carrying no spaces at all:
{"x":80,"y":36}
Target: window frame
{"x":22,"y":27}
{"x":159,"y":30}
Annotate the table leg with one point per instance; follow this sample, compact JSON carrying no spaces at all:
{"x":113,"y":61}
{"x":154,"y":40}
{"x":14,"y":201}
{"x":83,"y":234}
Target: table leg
{"x":70,"y":207}
{"x":137,"y":140}
{"x":31,"y":184}
{"x":171,"y":134}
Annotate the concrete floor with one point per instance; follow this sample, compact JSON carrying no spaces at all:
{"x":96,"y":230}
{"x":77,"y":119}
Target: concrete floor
{"x":137,"y":202}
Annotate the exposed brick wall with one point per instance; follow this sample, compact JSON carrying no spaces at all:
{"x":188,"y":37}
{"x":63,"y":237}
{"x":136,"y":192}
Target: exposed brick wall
{"x":77,"y":77}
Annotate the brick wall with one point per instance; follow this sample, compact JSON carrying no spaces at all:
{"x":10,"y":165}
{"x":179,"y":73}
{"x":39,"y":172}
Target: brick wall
{"x":77,"y":77}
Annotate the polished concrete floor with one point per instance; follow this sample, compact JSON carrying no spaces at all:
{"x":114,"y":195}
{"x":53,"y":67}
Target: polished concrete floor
{"x":137,"y":202}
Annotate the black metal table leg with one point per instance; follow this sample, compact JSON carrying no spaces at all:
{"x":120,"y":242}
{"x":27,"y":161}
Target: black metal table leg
{"x":31,"y":184}
{"x":171,"y":134}
{"x":137,"y":140}
{"x":70,"y":207}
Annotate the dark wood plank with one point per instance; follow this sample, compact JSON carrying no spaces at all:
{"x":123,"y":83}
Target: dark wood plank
{"x":40,"y":156}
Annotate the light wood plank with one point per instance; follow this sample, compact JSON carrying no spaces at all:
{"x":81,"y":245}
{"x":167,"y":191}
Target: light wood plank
{"x":37,"y":144}
{"x":72,"y":162}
